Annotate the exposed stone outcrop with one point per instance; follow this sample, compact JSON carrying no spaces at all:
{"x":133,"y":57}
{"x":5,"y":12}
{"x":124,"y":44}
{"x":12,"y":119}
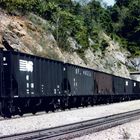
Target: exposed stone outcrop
{"x":73,"y":58}
{"x":135,"y":63}
{"x":111,"y":60}
{"x":12,"y":42}
{"x":73,"y":44}
{"x":20,"y":34}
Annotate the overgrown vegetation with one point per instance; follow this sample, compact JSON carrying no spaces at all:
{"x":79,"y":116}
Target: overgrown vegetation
{"x":82,"y":20}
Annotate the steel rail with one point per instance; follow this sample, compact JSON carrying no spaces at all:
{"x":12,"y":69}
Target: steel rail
{"x":77,"y":129}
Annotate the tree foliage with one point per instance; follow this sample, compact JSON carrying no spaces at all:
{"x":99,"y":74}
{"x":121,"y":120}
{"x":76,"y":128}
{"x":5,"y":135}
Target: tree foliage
{"x":83,"y":20}
{"x":125,"y":16}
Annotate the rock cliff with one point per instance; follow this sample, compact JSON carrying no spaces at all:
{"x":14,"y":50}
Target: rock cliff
{"x":22,"y":34}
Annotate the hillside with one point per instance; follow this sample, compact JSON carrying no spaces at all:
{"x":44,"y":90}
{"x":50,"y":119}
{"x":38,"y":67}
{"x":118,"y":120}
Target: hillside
{"x":79,"y":32}
{"x":20,"y":33}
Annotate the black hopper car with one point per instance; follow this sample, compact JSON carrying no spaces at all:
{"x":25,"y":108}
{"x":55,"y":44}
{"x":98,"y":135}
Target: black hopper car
{"x":30,"y":84}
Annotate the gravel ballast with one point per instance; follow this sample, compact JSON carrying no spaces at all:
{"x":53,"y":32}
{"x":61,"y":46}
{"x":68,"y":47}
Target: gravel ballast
{"x":32,"y":123}
{"x":128,"y":131}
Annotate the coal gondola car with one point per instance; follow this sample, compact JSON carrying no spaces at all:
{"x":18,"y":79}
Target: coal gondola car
{"x":136,"y":90}
{"x":103,"y":90}
{"x":33,"y":84}
{"x":119,"y":87}
{"x":81,"y":86}
{"x":125,"y":89}
{"x":30,"y":84}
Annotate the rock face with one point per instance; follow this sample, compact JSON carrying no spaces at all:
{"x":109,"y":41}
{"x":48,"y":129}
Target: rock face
{"x":135,"y":63}
{"x":11,"y":42}
{"x":112,"y":60}
{"x":73,"y":44}
{"x":21,"y":34}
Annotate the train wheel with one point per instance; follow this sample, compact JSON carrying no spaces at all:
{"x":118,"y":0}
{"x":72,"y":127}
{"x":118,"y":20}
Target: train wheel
{"x":82,"y":101}
{"x":2,"y":113}
{"x":33,"y":113}
{"x":20,"y":112}
{"x":6,"y":113}
{"x":53,"y":108}
{"x":63,"y":106}
{"x":33,"y":110}
{"x":47,"y":109}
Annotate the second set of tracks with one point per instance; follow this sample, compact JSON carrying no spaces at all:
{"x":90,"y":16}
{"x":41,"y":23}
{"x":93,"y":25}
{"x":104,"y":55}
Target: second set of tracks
{"x":77,"y":129}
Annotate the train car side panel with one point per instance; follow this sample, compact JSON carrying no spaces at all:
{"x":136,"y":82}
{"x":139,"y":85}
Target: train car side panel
{"x":7,"y":75}
{"x":128,"y":86}
{"x":103,"y":83}
{"x":1,"y":71}
{"x":118,"y":85}
{"x":136,"y":87}
{"x":24,"y":75}
{"x":81,"y":80}
{"x":36,"y":77}
{"x":51,"y":78}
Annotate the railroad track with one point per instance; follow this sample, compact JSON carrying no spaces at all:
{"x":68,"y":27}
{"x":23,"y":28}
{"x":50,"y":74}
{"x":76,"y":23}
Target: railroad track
{"x":77,"y":129}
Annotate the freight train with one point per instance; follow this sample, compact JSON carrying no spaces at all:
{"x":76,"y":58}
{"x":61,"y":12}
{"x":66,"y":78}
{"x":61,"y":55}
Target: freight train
{"x":31,"y":83}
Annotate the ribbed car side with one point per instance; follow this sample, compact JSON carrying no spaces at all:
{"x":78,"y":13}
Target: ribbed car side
{"x":30,"y":84}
